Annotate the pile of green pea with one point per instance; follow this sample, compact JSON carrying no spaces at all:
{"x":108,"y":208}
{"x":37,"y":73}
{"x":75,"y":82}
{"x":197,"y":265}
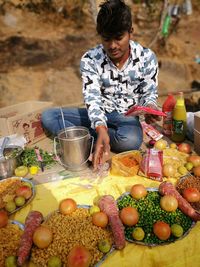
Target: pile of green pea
{"x":150,"y":212}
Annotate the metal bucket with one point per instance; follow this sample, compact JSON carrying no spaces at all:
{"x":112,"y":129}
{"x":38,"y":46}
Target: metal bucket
{"x":10,"y":162}
{"x":76,"y":144}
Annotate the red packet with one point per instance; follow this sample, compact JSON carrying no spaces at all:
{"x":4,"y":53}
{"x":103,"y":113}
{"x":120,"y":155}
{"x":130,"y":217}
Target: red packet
{"x":151,"y":131}
{"x":152,"y":163}
{"x":141,"y":110}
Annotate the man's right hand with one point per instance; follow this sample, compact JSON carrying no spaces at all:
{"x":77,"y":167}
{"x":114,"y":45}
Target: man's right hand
{"x":102,"y":148}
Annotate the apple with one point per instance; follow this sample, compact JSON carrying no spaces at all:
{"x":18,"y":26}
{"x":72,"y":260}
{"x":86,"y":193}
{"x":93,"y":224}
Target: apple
{"x":184,"y":147}
{"x":79,"y":256}
{"x":24,"y":191}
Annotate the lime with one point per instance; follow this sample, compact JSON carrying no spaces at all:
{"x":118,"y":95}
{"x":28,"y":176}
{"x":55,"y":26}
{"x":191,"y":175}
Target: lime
{"x":10,"y":206}
{"x":189,"y":166}
{"x":138,"y":233}
{"x":160,"y":144}
{"x":11,"y":261}
{"x":21,"y":171}
{"x":177,"y":230}
{"x":33,"y":170}
{"x":173,"y":145}
{"x":20,"y":201}
{"x":54,"y":261}
{"x":182,"y":170}
{"x":94,"y":209}
{"x":104,"y":245}
{"x":96,"y":200}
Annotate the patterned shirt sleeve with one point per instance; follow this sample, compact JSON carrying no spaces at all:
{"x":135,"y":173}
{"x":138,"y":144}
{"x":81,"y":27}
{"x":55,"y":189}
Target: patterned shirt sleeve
{"x":149,"y":84}
{"x":92,"y":91}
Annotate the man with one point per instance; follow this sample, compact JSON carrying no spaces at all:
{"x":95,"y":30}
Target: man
{"x":117,"y":75}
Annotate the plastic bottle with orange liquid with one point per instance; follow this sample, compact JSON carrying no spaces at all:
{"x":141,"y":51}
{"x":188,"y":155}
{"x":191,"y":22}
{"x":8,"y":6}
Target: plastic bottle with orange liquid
{"x":179,"y":120}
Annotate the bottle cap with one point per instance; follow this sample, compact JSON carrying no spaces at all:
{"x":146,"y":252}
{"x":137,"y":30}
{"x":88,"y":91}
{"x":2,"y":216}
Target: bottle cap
{"x":180,"y":94}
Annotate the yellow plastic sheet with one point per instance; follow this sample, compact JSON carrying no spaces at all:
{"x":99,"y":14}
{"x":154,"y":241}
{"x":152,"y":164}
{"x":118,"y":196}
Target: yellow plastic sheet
{"x":183,"y":253}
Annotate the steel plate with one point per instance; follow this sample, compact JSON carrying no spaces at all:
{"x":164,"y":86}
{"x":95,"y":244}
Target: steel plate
{"x":151,"y":189}
{"x":32,"y":188}
{"x":105,"y":255}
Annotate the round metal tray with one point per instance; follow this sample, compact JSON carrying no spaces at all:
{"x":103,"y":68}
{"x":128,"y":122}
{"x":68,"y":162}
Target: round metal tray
{"x":195,"y":205}
{"x":21,"y":226}
{"x":151,"y":189}
{"x":105,"y":255}
{"x":32,"y":188}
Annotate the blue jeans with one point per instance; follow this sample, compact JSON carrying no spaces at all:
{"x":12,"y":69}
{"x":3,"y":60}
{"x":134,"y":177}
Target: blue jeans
{"x":125,"y":132}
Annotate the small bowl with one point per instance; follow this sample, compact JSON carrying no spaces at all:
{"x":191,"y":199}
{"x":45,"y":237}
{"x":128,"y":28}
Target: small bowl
{"x":10,"y":162}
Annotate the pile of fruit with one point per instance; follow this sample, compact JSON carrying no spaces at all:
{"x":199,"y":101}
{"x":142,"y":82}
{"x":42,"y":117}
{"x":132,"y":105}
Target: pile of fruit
{"x":77,"y":235}
{"x":177,"y":159}
{"x":150,"y":218}
{"x":15,"y":193}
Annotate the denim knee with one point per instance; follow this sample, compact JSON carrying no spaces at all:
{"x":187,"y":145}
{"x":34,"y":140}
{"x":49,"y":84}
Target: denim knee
{"x":50,"y":121}
{"x":132,"y":140}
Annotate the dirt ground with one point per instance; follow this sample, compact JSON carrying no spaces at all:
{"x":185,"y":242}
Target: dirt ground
{"x":40,"y":53}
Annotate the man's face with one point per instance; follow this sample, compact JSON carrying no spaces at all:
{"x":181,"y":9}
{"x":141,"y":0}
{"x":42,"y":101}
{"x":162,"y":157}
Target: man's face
{"x":116,"y":47}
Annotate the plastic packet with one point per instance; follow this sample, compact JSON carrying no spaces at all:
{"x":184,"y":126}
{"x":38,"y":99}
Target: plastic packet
{"x":126,"y":163}
{"x":151,"y":164}
{"x":141,"y":110}
{"x":151,"y":131}
{"x":15,"y":140}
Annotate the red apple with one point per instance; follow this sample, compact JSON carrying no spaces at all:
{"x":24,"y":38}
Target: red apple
{"x":79,"y":256}
{"x":184,"y":147}
{"x":24,"y":191}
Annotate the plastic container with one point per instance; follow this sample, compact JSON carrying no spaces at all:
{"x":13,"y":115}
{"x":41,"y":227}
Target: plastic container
{"x":179,"y":120}
{"x":166,"y":24}
{"x":168,"y":107}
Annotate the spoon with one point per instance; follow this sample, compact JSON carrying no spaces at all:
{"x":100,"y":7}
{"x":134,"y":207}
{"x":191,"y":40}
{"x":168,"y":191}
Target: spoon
{"x":4,"y":143}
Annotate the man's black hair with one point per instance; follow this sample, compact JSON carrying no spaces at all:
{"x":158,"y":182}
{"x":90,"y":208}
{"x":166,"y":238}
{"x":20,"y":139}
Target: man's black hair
{"x":114,"y":18}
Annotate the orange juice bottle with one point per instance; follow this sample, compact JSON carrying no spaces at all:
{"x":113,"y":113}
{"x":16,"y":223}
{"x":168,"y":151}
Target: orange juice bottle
{"x":179,"y":120}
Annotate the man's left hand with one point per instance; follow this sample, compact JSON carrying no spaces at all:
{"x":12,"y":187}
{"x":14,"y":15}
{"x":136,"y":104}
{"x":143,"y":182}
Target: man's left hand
{"x":149,"y":118}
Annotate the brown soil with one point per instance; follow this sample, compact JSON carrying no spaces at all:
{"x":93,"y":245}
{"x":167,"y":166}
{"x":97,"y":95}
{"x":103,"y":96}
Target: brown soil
{"x":40,"y":53}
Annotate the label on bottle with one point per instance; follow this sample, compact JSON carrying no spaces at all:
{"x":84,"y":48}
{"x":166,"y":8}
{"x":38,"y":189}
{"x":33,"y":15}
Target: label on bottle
{"x":167,"y":123}
{"x":178,"y":126}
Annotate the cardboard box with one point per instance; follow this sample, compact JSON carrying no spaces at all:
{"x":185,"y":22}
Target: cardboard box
{"x":24,"y":118}
{"x":197,"y":132}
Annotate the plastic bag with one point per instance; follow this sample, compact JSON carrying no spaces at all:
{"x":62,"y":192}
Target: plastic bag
{"x":126,"y":163}
{"x":151,"y":164}
{"x":141,"y":110}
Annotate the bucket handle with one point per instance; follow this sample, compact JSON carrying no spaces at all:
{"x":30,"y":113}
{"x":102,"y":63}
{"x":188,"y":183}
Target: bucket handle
{"x":58,"y":158}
